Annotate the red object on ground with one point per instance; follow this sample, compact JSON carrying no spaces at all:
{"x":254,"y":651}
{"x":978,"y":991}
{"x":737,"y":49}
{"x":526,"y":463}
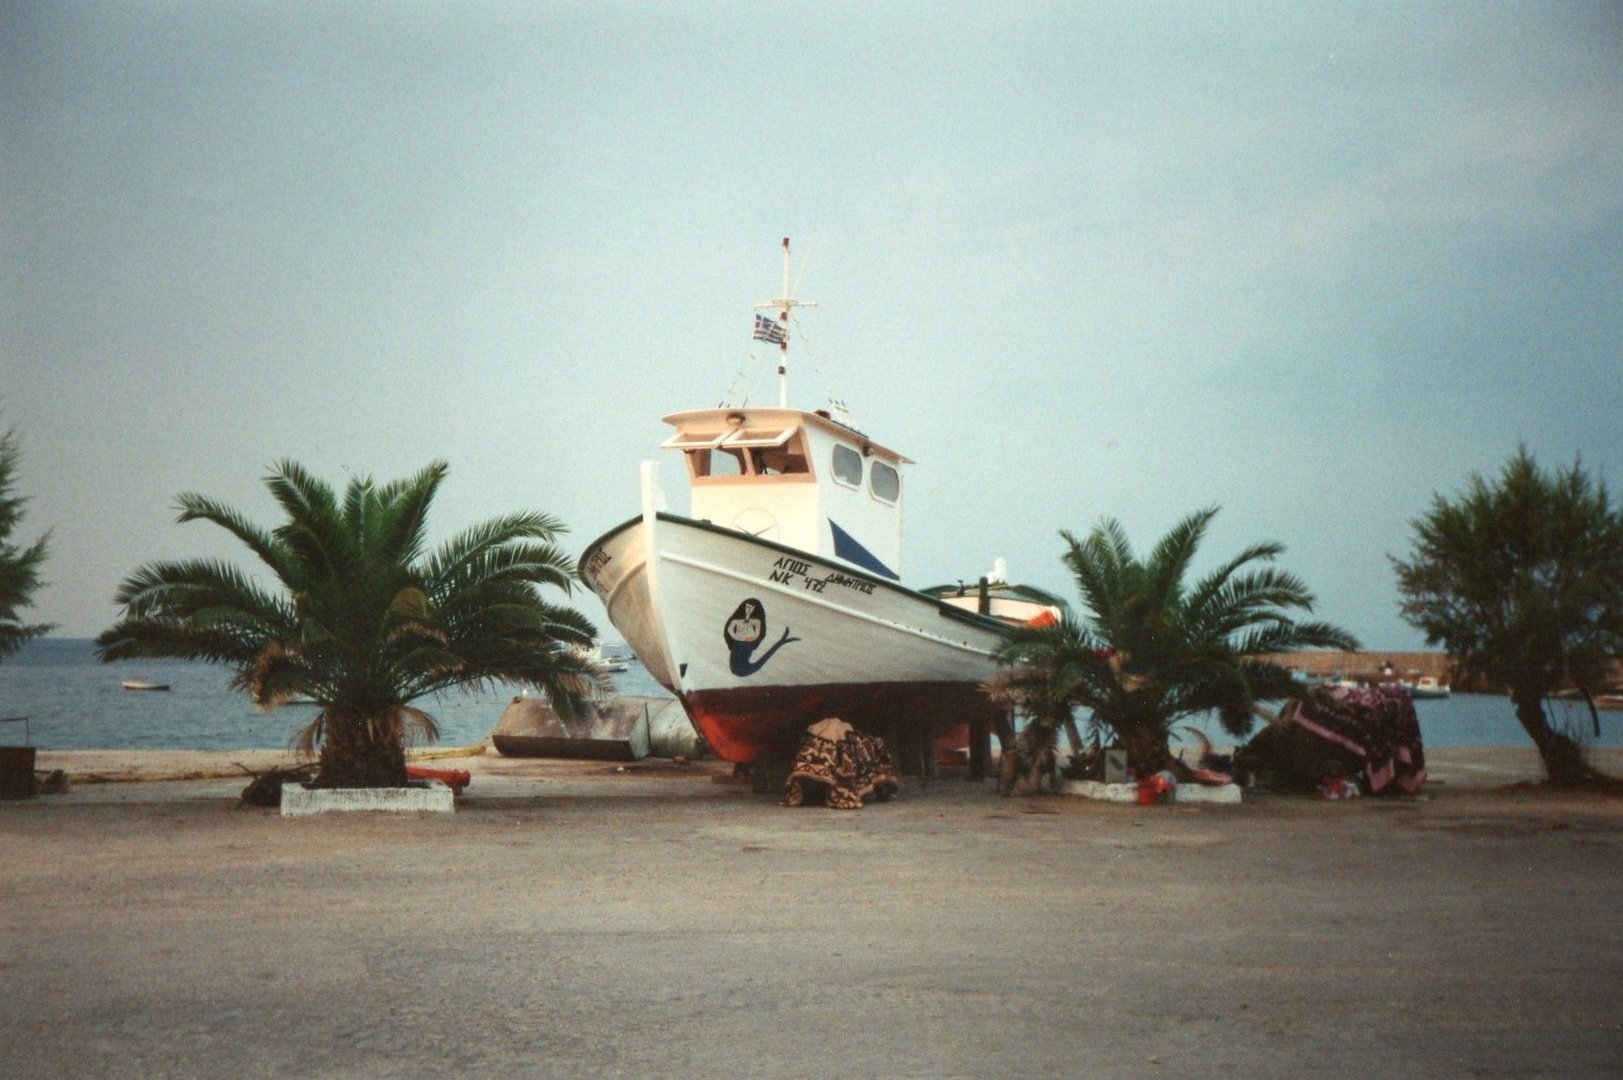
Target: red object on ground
{"x":1154,"y":789}
{"x":455,"y":779}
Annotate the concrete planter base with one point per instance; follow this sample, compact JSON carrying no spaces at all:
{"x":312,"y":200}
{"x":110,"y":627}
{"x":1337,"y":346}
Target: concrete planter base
{"x":1219,"y":793}
{"x":1093,"y":789}
{"x":1128,"y":793}
{"x":435,"y":798}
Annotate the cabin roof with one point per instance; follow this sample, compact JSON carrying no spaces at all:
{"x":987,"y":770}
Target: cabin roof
{"x":779,"y":420}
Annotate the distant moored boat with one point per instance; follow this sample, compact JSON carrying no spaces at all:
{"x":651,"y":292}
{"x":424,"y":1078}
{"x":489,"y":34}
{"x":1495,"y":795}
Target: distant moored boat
{"x":142,"y":684}
{"x":1427,"y":686}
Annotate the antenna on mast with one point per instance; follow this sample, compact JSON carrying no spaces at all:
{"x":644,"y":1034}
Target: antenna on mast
{"x":784,"y":304}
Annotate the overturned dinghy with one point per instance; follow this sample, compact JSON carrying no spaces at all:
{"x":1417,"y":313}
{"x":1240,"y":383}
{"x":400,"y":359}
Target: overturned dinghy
{"x":620,"y":729}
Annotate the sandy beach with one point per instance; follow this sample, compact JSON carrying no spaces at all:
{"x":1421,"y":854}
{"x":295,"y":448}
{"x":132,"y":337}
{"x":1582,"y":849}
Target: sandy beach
{"x":589,"y":919}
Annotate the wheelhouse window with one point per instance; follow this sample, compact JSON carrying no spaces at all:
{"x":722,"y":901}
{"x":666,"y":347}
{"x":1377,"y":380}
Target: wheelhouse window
{"x":847,"y":466}
{"x":723,"y":462}
{"x":884,"y":482}
{"x":743,"y":451}
{"x":784,"y":460}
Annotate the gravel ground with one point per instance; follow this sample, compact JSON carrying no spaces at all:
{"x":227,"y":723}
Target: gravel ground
{"x":574,"y":919}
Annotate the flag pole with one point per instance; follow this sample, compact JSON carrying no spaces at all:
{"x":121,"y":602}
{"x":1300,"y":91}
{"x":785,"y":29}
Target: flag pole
{"x":783,"y":346}
{"x":784,"y":304}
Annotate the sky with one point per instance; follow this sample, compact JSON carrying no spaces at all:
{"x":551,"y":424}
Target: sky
{"x":1313,"y":264}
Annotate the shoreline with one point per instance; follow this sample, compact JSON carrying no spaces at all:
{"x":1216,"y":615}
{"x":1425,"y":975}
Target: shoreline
{"x":112,"y":766}
{"x":1456,"y":767}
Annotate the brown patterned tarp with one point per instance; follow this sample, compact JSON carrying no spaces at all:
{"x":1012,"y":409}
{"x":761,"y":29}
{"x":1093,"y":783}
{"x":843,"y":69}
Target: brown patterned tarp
{"x":1376,"y":724}
{"x":838,"y":766}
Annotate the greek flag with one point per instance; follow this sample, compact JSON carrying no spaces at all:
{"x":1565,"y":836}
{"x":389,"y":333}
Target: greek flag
{"x":770,"y":330}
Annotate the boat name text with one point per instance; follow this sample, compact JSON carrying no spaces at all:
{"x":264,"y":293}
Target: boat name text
{"x":788,"y":571}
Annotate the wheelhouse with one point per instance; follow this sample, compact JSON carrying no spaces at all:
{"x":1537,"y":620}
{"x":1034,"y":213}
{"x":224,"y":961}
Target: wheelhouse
{"x":800,"y":479}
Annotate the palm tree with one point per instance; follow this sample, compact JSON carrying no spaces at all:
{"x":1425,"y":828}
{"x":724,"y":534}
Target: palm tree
{"x":1522,"y":582}
{"x":19,"y":567}
{"x":1042,"y":693}
{"x":367,"y":621}
{"x":1149,"y":650}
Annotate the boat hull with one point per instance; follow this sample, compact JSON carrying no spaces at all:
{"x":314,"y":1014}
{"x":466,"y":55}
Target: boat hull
{"x":758,"y":640}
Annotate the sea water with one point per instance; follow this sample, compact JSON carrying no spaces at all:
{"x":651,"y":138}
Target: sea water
{"x":74,"y":702}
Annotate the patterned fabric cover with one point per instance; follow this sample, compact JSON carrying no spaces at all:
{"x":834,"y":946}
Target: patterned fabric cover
{"x":839,"y":766}
{"x":1377,"y":724}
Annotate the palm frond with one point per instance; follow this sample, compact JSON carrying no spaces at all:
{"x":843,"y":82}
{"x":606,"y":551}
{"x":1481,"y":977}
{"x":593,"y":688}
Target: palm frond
{"x":471,"y":551}
{"x":1209,"y":587}
{"x":195,"y":507}
{"x":1097,"y":564}
{"x":404,"y":527}
{"x":1169,"y":560}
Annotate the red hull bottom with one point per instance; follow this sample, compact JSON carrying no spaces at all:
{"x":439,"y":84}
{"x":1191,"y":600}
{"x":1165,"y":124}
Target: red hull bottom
{"x":751,"y":723}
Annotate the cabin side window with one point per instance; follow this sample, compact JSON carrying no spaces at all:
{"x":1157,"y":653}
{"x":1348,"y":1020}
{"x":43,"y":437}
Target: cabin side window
{"x":847,"y":466}
{"x":884,"y":482}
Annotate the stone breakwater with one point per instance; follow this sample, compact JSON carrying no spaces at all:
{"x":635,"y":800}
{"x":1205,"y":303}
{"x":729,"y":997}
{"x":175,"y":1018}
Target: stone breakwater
{"x":1323,"y":664}
{"x":1370,"y":665}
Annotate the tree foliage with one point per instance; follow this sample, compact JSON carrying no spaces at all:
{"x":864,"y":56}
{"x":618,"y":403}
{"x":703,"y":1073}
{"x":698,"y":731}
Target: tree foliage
{"x":19,"y":566}
{"x":365,"y":619}
{"x":1521,"y":580}
{"x":1151,"y":648}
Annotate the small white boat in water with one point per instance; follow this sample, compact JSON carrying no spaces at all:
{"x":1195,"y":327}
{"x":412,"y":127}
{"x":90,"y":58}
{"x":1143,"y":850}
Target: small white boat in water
{"x":142,"y":684}
{"x":1427,"y":686}
{"x":776,"y":601}
{"x":605,"y":661}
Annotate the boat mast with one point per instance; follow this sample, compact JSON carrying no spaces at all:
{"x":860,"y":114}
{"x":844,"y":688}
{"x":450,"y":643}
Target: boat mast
{"x":784,"y":304}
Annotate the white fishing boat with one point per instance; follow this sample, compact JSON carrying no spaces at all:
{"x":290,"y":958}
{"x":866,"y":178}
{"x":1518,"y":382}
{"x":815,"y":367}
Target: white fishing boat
{"x":142,"y":684}
{"x":995,"y":595}
{"x":776,"y":601}
{"x":1427,"y":687}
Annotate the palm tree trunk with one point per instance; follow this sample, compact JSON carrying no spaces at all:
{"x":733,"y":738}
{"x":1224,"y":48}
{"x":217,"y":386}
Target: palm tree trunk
{"x":1146,"y":746}
{"x":1072,"y":735}
{"x":1009,"y":767}
{"x":1036,"y":753}
{"x":1140,"y":726}
{"x":356,"y":754}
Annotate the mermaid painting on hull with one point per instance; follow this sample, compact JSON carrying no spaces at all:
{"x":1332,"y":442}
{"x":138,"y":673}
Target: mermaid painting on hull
{"x":744,"y":632}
